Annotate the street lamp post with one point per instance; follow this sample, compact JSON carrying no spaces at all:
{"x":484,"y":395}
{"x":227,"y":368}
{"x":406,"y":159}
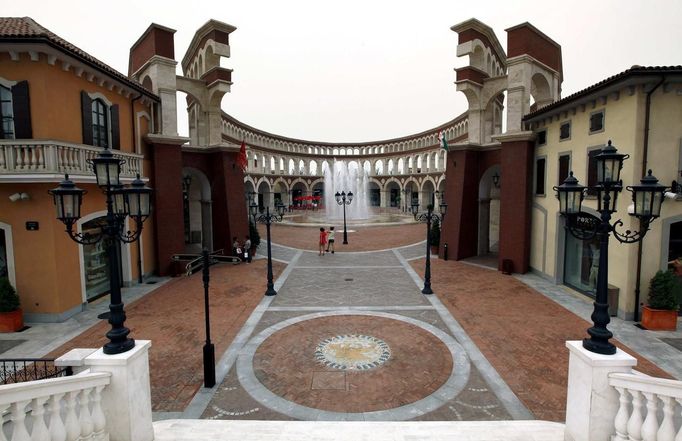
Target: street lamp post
{"x":344,"y":199}
{"x":134,"y":201}
{"x":428,"y":217}
{"x":268,"y":219}
{"x":647,"y":198}
{"x":405,"y":204}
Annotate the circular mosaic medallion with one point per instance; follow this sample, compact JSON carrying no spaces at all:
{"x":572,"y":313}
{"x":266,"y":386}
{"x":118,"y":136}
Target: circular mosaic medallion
{"x":352,"y":352}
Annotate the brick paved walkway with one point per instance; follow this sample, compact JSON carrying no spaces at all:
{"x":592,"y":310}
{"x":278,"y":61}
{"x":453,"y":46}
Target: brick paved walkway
{"x":271,"y":371}
{"x":172,"y":317}
{"x":519,"y":330}
{"x":363,"y":238}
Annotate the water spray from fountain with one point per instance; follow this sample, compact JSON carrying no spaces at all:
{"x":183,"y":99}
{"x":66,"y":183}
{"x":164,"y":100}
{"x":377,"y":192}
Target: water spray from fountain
{"x":346,"y":177}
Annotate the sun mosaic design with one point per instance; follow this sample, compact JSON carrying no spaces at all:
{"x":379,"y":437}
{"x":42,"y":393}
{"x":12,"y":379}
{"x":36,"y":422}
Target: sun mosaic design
{"x":352,"y":352}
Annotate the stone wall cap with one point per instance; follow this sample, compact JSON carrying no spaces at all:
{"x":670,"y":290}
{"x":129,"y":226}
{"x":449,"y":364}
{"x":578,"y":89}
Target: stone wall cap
{"x":75,"y":357}
{"x":620,"y":358}
{"x":99,"y":358}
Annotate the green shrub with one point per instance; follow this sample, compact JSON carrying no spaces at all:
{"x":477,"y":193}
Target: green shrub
{"x":662,"y":291}
{"x":9,"y":300}
{"x":254,"y":235}
{"x":434,"y":234}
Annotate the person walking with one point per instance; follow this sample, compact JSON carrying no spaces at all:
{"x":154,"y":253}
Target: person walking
{"x":247,"y":249}
{"x":330,"y":240}
{"x":236,"y":249}
{"x":323,"y":240}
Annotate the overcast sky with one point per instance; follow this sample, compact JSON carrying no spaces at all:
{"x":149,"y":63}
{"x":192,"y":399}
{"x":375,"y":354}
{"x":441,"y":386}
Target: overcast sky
{"x":364,"y":70}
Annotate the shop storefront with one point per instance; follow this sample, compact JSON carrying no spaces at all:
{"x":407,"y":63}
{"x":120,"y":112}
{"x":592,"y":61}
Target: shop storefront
{"x":581,"y":259}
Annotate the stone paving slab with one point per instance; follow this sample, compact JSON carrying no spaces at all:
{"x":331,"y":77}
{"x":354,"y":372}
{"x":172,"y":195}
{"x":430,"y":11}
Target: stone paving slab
{"x":282,"y":253}
{"x":349,"y":287}
{"x":414,"y":251}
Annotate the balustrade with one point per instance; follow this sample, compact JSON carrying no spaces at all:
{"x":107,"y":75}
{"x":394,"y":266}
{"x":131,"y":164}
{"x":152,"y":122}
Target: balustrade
{"x":650,"y":409}
{"x":59,"y":409}
{"x":30,"y":156}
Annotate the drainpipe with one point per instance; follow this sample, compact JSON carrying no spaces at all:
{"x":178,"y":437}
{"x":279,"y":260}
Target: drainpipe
{"x":645,"y":154}
{"x":134,"y":132}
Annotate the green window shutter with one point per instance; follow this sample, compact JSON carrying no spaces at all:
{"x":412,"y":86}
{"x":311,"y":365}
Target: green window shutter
{"x":115,"y":131}
{"x":21,"y":107}
{"x":86,"y":116}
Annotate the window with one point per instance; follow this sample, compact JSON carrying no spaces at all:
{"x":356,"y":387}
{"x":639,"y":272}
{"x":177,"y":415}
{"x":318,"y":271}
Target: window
{"x":540,"y":176}
{"x":7,"y":113}
{"x":592,"y":170}
{"x":565,"y":131}
{"x":597,"y":121}
{"x":100,"y":124}
{"x":542,"y":138}
{"x":564,"y":165}
{"x":100,"y":121}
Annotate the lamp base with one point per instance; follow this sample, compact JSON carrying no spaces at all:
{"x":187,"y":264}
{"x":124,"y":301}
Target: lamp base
{"x":270,"y":292}
{"x":112,"y":348}
{"x":599,"y":347}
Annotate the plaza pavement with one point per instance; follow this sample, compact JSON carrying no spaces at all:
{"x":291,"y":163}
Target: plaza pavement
{"x":486,"y":346}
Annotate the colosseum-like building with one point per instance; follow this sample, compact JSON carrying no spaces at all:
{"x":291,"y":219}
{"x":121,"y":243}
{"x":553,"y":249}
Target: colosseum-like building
{"x":401,"y":170}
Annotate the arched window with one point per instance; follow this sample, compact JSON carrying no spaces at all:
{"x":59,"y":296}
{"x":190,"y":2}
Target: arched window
{"x":100,"y":124}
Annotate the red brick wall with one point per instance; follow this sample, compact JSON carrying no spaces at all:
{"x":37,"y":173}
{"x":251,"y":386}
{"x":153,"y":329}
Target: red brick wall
{"x":470,"y":73}
{"x":515,"y":203}
{"x":156,"y":41}
{"x":460,"y":226}
{"x":169,"y":220}
{"x":525,"y":40}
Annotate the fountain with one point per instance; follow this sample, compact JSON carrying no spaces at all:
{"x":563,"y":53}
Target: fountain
{"x":346,"y":177}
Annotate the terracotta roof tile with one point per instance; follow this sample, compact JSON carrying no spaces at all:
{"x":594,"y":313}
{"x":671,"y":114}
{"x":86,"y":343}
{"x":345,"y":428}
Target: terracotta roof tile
{"x":25,"y":28}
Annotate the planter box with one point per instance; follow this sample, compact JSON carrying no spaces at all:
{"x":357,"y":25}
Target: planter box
{"x":11,"y":321}
{"x":659,"y":319}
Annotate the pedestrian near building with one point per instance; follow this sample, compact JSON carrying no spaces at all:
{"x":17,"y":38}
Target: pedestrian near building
{"x":247,"y":249}
{"x":323,"y":240}
{"x":330,"y":240}
{"x":236,"y":248}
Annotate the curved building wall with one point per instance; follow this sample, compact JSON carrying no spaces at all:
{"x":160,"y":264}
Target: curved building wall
{"x":414,"y":165}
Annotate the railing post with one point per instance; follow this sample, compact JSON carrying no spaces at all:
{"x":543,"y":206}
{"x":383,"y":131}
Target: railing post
{"x":591,"y":403}
{"x":126,"y":402}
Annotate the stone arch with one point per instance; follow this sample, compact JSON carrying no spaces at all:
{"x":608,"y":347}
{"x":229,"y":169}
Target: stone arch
{"x":264,"y":190}
{"x":199,"y":213}
{"x":390,"y":167}
{"x":401,"y":166}
{"x":379,"y":167}
{"x":540,"y":90}
{"x":312,"y":168}
{"x":392,"y":193}
{"x":488,"y":212}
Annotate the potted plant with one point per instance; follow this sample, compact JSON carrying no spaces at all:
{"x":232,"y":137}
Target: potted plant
{"x":661,"y":312}
{"x":254,"y":235}
{"x":434,"y":236}
{"x":11,"y":317}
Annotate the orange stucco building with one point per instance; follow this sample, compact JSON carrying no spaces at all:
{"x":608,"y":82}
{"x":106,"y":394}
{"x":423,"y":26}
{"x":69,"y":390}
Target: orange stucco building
{"x":60,"y":107}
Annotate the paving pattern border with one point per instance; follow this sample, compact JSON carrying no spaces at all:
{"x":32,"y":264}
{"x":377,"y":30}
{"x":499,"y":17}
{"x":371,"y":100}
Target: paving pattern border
{"x":459,"y":376}
{"x":500,"y":388}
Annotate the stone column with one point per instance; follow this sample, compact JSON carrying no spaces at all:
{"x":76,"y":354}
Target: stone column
{"x":127,"y":401}
{"x":591,"y":404}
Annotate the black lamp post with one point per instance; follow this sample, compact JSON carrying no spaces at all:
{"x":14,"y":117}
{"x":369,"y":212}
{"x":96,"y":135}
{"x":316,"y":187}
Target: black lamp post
{"x":344,"y":199}
{"x":647,"y":198}
{"x":428,"y":217}
{"x":134,"y":201}
{"x":268,"y":219}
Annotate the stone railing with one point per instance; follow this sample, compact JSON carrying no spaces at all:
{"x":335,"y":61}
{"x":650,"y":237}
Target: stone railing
{"x":21,"y":157}
{"x":639,"y":416}
{"x":66,"y":408}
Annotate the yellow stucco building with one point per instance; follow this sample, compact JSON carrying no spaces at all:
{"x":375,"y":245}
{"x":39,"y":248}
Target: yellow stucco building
{"x":640,"y":111}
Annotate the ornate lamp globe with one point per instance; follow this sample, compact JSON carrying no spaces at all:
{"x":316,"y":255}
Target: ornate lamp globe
{"x":107,"y":168}
{"x":648,"y":197}
{"x":349,"y":196}
{"x":570,"y":195}
{"x":253,"y":208}
{"x":67,"y":200}
{"x":280,"y":209}
{"x":139,"y":200}
{"x":609,"y":164}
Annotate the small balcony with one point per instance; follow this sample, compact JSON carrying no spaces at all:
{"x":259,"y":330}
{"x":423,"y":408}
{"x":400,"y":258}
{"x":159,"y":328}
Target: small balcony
{"x":29,"y":160}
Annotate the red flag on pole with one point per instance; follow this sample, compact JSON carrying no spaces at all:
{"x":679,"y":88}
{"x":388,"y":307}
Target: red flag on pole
{"x":242,"y":162}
